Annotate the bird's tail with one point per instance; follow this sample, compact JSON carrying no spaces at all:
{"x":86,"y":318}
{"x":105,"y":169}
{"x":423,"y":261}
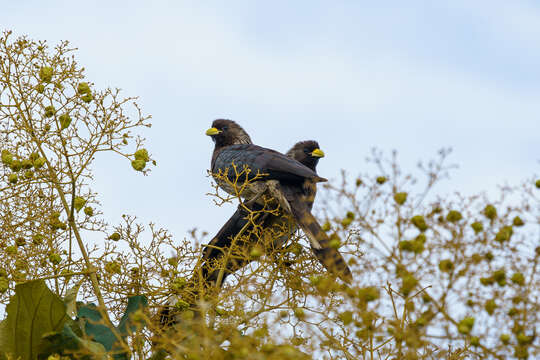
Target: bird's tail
{"x":320,"y":243}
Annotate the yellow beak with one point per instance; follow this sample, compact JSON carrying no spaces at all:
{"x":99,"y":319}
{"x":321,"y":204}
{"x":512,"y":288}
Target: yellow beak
{"x":212,"y":131}
{"x":317,"y":153}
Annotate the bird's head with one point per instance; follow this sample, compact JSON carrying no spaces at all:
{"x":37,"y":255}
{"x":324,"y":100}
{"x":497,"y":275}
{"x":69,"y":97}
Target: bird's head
{"x":226,"y":132}
{"x":306,"y":152}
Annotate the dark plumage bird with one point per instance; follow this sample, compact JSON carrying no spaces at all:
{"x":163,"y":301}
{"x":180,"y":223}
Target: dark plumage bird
{"x":307,"y":153}
{"x":287,"y":180}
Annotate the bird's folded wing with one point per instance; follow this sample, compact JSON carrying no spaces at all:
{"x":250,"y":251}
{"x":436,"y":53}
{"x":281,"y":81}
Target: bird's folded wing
{"x":265,"y":161}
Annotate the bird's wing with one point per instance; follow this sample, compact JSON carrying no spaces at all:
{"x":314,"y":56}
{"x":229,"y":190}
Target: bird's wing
{"x":262,"y":160}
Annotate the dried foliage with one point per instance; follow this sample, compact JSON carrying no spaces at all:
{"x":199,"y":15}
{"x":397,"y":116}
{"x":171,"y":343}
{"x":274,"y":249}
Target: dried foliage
{"x":450,"y":277}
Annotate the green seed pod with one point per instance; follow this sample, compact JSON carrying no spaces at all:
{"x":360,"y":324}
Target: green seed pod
{"x":142,"y":154}
{"x":477,"y":227}
{"x":3,"y":273}
{"x":409,"y":282}
{"x":178,"y":284}
{"x":486,"y":281}
{"x":346,"y":221}
{"x":49,"y":111}
{"x":517,"y":221}
{"x":20,"y":241}
{"x":89,"y":211}
{"x":454,"y":216}
{"x":16,"y":165}
{"x":13,"y":178}
{"x":40,"y":88}
{"x":256,"y":252}
{"x":490,"y":212}
{"x":46,"y":74}
{"x":346,"y":317}
{"x":418,"y":243}
{"x":368,"y":294}
{"x":504,"y":234}
{"x":400,"y":198}
{"x":47,"y":127}
{"x":381,"y":180}
{"x":465,"y":326}
{"x":33,"y":156}
{"x":523,"y":339}
{"x":299,"y":313}
{"x":65,"y":121}
{"x":326,"y":226}
{"x":476,"y":258}
{"x":446,"y":265}
{"x":490,"y":306}
{"x":78,"y":203}
{"x":26,"y":164}
{"x":538,"y":183}
{"x":83,"y":88}
{"x":138,"y":165}
{"x":475,"y":341}
{"x":39,"y":162}
{"x":419,"y":222}
{"x":406,"y":245}
{"x":335,"y":243}
{"x":87,"y":98}
{"x":114,"y":236}
{"x":4,"y":285}
{"x":28,"y":174}
{"x":55,"y":258}
{"x":296,"y":249}
{"x":11,"y":250}
{"x":37,"y":239}
{"x":7,"y":157}
{"x":59,"y":225}
{"x":173,"y":261}
{"x":113,"y":267}
{"x":518,"y":278}
{"x":513,"y":311}
{"x":505,"y":338}
{"x":500,"y":277}
{"x":181,"y":305}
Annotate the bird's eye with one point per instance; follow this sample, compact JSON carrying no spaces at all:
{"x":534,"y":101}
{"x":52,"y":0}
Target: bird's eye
{"x":224,"y":128}
{"x":306,"y":151}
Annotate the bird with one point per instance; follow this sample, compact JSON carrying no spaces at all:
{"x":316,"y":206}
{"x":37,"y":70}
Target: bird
{"x":307,"y":153}
{"x":244,"y":169}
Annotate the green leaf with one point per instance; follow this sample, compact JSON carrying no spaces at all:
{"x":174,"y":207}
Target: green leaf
{"x":126,"y":324}
{"x":67,"y":343}
{"x":95,"y":329}
{"x":33,"y":311}
{"x":94,"y":326}
{"x":70,"y":300}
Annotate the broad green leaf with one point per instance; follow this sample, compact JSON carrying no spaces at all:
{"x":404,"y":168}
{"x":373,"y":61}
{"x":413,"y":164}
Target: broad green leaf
{"x":94,"y":326}
{"x":67,"y":343}
{"x":71,"y":299}
{"x":33,"y":311}
{"x":127,"y":325}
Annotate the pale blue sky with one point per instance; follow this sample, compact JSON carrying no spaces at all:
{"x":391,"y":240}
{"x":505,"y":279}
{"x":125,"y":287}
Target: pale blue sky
{"x":413,"y":76}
